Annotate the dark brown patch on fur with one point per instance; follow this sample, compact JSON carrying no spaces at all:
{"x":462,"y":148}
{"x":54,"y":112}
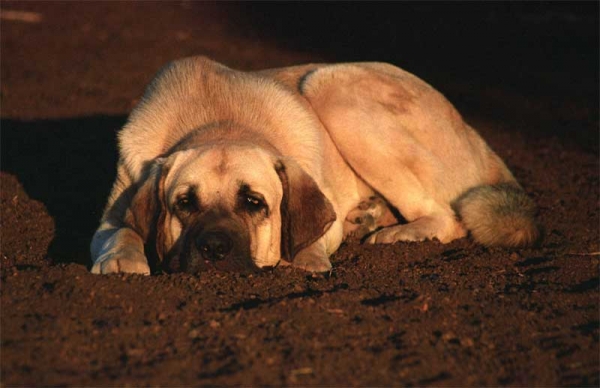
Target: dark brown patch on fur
{"x":303,"y":79}
{"x":396,"y":103}
{"x":161,"y":238}
{"x":394,"y":99}
{"x":306,"y":214}
{"x":146,"y":214}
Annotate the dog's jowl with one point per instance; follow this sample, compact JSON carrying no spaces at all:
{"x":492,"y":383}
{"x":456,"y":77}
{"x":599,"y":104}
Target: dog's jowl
{"x":239,"y":171}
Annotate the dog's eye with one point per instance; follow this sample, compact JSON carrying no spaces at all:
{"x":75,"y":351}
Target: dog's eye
{"x":184,"y":203}
{"x":251,"y":202}
{"x":254,"y":204}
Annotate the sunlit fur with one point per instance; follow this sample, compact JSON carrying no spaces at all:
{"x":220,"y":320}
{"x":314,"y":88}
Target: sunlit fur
{"x":216,"y":173}
{"x":344,"y":132}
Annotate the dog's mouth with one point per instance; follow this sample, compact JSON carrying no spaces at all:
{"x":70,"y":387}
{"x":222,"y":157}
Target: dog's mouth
{"x":223,"y":245}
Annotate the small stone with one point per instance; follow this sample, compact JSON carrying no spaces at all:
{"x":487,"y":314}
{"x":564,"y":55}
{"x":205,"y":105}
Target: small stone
{"x":467,"y":342}
{"x":448,"y":337}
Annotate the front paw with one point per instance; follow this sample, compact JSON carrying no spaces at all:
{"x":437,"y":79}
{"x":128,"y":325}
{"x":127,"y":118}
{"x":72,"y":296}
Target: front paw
{"x":311,"y":261}
{"x":124,"y":261}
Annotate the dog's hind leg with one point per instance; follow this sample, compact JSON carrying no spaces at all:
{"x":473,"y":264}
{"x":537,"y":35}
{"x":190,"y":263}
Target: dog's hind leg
{"x":406,"y":141}
{"x":370,"y":215}
{"x":435,"y":226}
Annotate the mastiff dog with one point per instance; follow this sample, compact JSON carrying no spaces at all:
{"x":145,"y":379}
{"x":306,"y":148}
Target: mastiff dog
{"x":241,"y":170}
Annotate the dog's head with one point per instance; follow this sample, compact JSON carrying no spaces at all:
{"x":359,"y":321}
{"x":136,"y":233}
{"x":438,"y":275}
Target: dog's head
{"x":234,"y":207}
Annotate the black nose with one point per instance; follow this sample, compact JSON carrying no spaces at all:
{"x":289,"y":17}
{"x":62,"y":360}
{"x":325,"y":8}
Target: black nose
{"x":214,"y":246}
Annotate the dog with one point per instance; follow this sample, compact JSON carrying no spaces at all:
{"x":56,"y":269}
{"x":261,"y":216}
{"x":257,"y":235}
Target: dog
{"x":243,"y":171}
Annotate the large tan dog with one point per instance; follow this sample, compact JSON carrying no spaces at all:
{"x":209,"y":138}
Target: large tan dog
{"x":234,"y":170}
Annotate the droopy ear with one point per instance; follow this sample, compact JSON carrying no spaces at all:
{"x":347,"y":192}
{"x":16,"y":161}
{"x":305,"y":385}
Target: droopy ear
{"x":147,"y":211}
{"x":306,"y":214}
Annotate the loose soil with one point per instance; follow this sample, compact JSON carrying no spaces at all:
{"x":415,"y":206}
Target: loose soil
{"x":526,"y":75}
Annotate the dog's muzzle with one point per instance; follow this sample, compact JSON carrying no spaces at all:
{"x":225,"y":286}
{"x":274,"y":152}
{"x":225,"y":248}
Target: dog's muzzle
{"x":214,"y":246}
{"x":214,"y":240}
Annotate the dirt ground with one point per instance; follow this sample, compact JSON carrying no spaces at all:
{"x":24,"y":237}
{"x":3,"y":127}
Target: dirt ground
{"x":525,"y":74}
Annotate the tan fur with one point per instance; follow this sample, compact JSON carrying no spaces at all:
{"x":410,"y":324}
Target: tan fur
{"x":343,"y":132}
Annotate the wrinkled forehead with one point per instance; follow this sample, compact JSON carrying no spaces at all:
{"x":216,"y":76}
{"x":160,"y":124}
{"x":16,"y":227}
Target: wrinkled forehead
{"x":222,"y":170}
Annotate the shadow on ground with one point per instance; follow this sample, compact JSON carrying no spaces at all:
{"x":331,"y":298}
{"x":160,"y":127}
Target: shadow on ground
{"x":68,"y":165}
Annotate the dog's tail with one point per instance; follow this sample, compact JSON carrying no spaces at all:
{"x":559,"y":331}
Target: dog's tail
{"x":498,"y":215}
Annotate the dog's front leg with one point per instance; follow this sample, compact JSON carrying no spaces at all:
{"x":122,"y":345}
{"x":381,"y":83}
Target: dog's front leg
{"x":119,"y":250}
{"x":313,"y":258}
